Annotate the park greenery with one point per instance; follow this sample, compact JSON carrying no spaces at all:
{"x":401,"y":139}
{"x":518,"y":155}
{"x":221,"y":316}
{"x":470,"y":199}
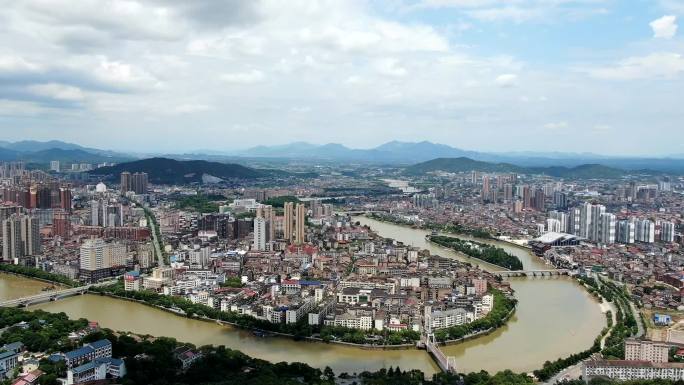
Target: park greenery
{"x":232,"y":282}
{"x":457,"y":228}
{"x":33,"y":272}
{"x":497,"y":317}
{"x":281,"y":200}
{"x":453,"y":228}
{"x":200,"y":203}
{"x":38,"y":330}
{"x":482,"y":251}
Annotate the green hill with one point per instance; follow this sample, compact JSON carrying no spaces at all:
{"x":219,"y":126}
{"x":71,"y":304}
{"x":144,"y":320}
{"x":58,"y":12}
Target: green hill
{"x":585,"y":171}
{"x":461,"y":164}
{"x":171,"y":171}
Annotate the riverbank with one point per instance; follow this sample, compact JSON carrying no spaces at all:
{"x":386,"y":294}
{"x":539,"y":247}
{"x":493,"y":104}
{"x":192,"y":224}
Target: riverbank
{"x":478,"y":334}
{"x":53,"y":283}
{"x":242,"y":326}
{"x":37,"y":274}
{"x":295,"y":337}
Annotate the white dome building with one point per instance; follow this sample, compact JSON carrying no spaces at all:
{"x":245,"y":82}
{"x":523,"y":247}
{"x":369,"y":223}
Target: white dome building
{"x":101,"y":188}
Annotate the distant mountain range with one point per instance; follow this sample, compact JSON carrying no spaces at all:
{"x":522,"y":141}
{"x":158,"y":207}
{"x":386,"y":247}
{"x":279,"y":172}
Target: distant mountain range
{"x":171,"y":171}
{"x":391,"y":152}
{"x":32,"y":151}
{"x":462,"y":164}
{"x":394,"y":153}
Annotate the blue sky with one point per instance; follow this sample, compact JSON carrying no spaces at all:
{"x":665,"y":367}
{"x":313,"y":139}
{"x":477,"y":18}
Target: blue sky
{"x":600,"y":76}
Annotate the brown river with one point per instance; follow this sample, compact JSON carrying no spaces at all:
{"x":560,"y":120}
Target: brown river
{"x":555,"y":318}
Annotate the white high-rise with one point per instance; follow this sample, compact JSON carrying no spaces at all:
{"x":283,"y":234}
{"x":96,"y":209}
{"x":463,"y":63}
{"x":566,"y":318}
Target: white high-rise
{"x":553,"y":225}
{"x":563,"y":220}
{"x":92,"y":254}
{"x":607,"y":233}
{"x":667,"y":232}
{"x":595,"y":226}
{"x":20,"y":237}
{"x":585,"y":221}
{"x":626,"y":231}
{"x":260,"y":234}
{"x":645,"y":231}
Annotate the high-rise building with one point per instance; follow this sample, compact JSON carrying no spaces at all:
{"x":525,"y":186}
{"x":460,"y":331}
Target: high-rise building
{"x":95,"y":211}
{"x":560,"y":200}
{"x":21,"y":237}
{"x":92,"y":254}
{"x":645,"y":231}
{"x":508,"y":192}
{"x":485,"y":188}
{"x":139,"y":183}
{"x":300,"y":224}
{"x":65,"y":199}
{"x":527,"y":197}
{"x":607,"y":232}
{"x":54,"y":165}
{"x":563,"y":220}
{"x":667,"y":232}
{"x":585,"y":221}
{"x":540,"y":200}
{"x":259,"y":234}
{"x":553,"y":225}
{"x":61,"y":224}
{"x":626,"y":231}
{"x":126,"y":182}
{"x":288,"y":221}
{"x":596,"y":211}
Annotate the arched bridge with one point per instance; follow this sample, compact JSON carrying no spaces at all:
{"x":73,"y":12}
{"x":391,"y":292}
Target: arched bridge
{"x":530,"y":273}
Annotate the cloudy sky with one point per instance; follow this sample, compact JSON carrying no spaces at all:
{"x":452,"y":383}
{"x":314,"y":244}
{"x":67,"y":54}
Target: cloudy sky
{"x":605,"y":76}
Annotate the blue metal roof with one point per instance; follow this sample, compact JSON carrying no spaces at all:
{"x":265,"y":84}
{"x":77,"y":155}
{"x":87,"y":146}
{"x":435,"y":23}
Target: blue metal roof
{"x":100,"y":344}
{"x":4,"y":355}
{"x":80,"y":352}
{"x":85,"y":367}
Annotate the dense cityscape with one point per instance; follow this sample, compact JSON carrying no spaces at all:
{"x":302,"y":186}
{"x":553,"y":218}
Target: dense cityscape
{"x":341,"y":192}
{"x":296,"y":255}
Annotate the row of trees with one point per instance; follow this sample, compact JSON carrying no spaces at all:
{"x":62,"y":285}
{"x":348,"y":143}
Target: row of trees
{"x":454,"y":228}
{"x":488,"y":253}
{"x":496,"y":318}
{"x":33,"y":272}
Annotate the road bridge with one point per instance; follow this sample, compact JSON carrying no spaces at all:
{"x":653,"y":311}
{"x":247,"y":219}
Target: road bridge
{"x":446,"y":363}
{"x":51,"y":295}
{"x":530,"y":273}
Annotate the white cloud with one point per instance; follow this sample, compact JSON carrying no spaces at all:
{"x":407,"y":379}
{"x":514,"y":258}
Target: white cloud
{"x":191,"y":108}
{"x":664,"y":65}
{"x":507,"y":80}
{"x":12,"y":63}
{"x":556,"y":125}
{"x":58,"y":91}
{"x":390,"y":67}
{"x":665,"y":27}
{"x":252,"y":76}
